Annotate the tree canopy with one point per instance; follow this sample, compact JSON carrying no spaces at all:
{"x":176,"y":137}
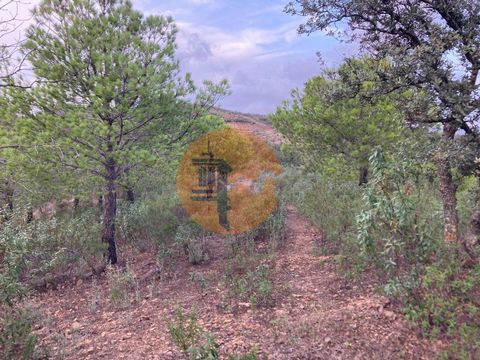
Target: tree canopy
{"x":334,"y":126}
{"x":108,"y":93}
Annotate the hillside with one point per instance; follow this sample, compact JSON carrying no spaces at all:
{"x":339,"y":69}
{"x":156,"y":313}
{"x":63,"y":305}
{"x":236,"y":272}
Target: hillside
{"x":313,"y":312}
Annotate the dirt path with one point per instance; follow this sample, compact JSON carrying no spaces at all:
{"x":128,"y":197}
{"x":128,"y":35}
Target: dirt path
{"x":317,"y":314}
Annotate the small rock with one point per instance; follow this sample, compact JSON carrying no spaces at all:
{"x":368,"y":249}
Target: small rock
{"x":79,"y":282}
{"x":390,"y":314}
{"x":327,"y":340}
{"x":76,"y":326}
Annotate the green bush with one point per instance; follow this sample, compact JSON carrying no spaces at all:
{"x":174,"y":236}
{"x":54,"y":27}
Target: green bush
{"x":251,"y":355}
{"x":149,"y":222}
{"x":399,"y":226}
{"x":16,"y":338}
{"x":194,"y":342}
{"x":447,"y":303}
{"x":330,"y":204}
{"x":38,"y":252}
{"x":274,"y":227}
{"x":249,"y":278}
{"x":123,"y":284}
{"x":192,"y":238}
{"x":190,"y":338}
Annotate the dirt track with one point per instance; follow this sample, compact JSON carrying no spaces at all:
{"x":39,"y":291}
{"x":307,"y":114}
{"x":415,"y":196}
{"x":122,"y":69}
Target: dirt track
{"x":316,"y":313}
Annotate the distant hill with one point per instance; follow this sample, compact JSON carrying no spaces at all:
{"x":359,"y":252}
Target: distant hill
{"x":236,"y":116}
{"x":256,"y":124}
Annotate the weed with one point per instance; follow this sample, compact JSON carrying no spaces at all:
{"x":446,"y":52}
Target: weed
{"x":198,"y":279}
{"x":190,"y":338}
{"x":122,"y":284}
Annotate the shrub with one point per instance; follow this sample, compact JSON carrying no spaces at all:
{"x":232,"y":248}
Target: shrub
{"x":399,"y":226}
{"x":46,"y":248}
{"x":274,"y":227}
{"x":447,"y":303}
{"x":330,"y":204}
{"x":192,"y":238}
{"x":190,"y":338}
{"x":150,"y":222}
{"x":251,"y":355}
{"x":122,"y":284}
{"x":249,"y":279}
{"x":16,"y":338}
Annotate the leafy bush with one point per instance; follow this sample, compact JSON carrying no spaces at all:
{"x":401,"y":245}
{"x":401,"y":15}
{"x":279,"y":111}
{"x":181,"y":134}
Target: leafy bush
{"x":46,"y":248}
{"x":16,"y":338}
{"x":447,"y":302}
{"x":399,"y":226}
{"x":274,"y":227}
{"x":248,"y":278}
{"x":150,"y":222}
{"x":190,"y":338}
{"x":194,"y":342}
{"x":192,"y":238}
{"x":331,"y":204}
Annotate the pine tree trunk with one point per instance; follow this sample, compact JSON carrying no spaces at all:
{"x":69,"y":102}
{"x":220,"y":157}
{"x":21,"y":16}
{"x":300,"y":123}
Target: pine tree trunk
{"x":447,"y":189}
{"x":110,"y":213}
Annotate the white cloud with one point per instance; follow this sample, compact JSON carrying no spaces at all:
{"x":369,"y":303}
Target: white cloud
{"x":231,"y":45}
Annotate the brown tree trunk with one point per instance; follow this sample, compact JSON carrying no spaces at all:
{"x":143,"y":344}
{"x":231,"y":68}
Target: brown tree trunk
{"x":363,"y":177}
{"x":130,"y":195}
{"x":447,"y":188}
{"x":110,"y":213}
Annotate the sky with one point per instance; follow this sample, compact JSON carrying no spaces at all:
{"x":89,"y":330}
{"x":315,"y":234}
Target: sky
{"x":251,"y":43}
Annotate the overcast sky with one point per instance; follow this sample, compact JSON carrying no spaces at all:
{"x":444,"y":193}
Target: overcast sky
{"x":252,"y":43}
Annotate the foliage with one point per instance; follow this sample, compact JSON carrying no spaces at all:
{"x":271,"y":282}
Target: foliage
{"x":398,"y":227}
{"x":192,"y":238}
{"x":433,"y":47}
{"x":190,"y":338}
{"x":251,"y":355}
{"x":249,"y":278}
{"x":151,"y":221}
{"x":433,"y":54}
{"x":194,"y":342}
{"x":447,"y":303}
{"x":46,"y":248}
{"x":98,"y":109}
{"x":335,"y":130}
{"x":274,"y":228}
{"x":16,"y":338}
{"x":122,"y":284}
{"x":330,"y":203}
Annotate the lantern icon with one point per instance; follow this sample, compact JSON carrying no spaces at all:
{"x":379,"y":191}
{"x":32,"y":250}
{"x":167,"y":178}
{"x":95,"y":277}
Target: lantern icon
{"x":212,"y":184}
